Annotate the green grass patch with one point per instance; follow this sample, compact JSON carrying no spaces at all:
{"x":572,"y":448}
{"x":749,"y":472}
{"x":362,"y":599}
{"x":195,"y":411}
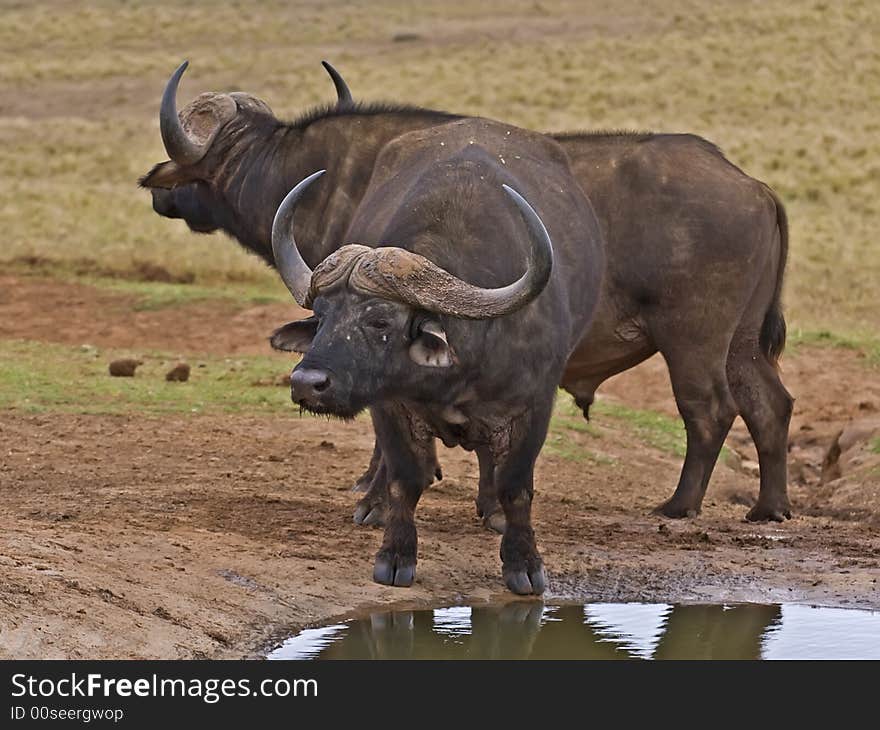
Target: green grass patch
{"x":867,"y":345}
{"x":37,"y":377}
{"x":154,"y":286}
{"x":566,"y":435}
{"x":654,"y":429}
{"x":657,"y":430}
{"x":875,"y":445}
{"x":568,"y":417}
{"x":153,"y":295}
{"x":561,"y":445}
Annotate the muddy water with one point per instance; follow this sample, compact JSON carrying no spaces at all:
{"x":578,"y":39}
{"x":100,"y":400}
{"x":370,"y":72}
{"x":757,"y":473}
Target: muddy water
{"x":597,"y":631}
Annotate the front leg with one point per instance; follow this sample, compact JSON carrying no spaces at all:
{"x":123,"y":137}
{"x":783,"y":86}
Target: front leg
{"x":522,"y":567}
{"x":406,"y":453}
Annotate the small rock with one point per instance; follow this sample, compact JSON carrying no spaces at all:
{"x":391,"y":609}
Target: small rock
{"x":217,"y":636}
{"x":178,"y":374}
{"x":328,"y":445}
{"x":124,"y":367}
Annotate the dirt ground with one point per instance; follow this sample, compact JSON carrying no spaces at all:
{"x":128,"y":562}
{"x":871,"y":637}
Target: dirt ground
{"x":214,"y":536}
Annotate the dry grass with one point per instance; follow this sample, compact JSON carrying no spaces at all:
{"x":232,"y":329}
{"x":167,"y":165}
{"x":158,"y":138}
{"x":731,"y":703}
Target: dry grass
{"x":788,"y":89}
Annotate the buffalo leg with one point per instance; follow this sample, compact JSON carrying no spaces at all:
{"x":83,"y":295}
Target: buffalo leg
{"x":708,"y":409}
{"x":488,"y":506}
{"x":765,"y":406}
{"x":371,"y":508}
{"x":406,"y":453}
{"x":364,"y":483}
{"x":522,"y":567}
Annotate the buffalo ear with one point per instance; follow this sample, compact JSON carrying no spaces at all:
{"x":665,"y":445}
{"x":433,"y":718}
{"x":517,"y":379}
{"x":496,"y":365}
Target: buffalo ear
{"x":295,"y":336}
{"x":430,"y":347}
{"x":165,"y":175}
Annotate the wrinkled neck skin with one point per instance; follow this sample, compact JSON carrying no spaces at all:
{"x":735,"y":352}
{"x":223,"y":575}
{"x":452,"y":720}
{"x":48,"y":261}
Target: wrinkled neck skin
{"x":262,"y":168}
{"x":480,"y":396}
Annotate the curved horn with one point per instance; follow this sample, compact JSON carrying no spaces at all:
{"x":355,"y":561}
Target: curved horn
{"x":540,"y":265}
{"x":178,"y":144}
{"x":343,"y":95}
{"x":408,"y":277}
{"x":295,"y":272}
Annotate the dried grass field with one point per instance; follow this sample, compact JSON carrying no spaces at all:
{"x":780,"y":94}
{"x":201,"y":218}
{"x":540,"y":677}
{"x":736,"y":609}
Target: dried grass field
{"x":142,"y":518}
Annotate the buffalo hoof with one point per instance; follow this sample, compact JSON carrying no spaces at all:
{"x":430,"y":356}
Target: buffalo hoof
{"x":769,"y":512}
{"x":676,"y":510}
{"x":362,"y":484}
{"x":525,"y":583}
{"x":368,"y":514}
{"x":496,"y":522}
{"x":394,"y":570}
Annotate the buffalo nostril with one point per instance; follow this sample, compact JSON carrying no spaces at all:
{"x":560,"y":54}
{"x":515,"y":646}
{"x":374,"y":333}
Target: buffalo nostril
{"x":306,"y":383}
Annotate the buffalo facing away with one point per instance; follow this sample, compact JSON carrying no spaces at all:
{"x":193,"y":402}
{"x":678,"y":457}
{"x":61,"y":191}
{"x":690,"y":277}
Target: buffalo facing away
{"x":696,"y":252}
{"x":430,"y":321}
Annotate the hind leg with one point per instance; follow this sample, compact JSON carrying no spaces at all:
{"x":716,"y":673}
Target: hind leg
{"x":366,"y":479}
{"x":371,"y":509}
{"x":765,"y":406}
{"x":488,"y":507}
{"x":699,"y":382}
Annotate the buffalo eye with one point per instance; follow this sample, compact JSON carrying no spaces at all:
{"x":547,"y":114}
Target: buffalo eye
{"x":378,"y":324}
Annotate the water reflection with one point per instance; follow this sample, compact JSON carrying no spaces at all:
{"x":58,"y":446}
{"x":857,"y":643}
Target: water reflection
{"x":596,"y":631}
{"x":716,"y":632}
{"x":531,"y":630}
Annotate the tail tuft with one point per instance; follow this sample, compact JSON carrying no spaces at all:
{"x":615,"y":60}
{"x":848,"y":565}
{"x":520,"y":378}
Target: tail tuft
{"x":772,"y":338}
